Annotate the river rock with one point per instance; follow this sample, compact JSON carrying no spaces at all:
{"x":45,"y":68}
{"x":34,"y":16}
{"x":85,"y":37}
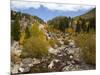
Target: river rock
{"x":53,"y":51}
{"x":24,"y":70}
{"x":71,"y":43}
{"x":15,"y":68}
{"x":35,"y":61}
{"x":52,"y":63}
{"x":26,"y":62}
{"x":71,"y":68}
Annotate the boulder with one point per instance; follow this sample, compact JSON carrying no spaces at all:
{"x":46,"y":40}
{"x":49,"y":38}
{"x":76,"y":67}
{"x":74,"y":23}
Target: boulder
{"x":15,"y":46}
{"x":70,"y":51}
{"x":53,"y":51}
{"x":71,"y":43}
{"x":71,"y":57}
{"x":15,"y":68}
{"x":27,"y":62}
{"x":73,"y":62}
{"x":36,"y":61}
{"x":24,"y":70}
{"x":71,"y":68}
{"x":25,"y":65}
{"x":52,"y":63}
{"x":16,"y":49}
{"x":68,"y":62}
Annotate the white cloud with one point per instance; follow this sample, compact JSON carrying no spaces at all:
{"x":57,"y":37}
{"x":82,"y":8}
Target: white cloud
{"x":23,"y":5}
{"x":51,"y":6}
{"x":66,"y":7}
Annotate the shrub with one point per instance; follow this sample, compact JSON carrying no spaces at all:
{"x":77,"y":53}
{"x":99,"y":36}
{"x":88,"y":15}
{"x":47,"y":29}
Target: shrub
{"x":43,"y":67}
{"x":22,"y":38}
{"x":35,"y":47}
{"x":15,"y":29}
{"x":87,"y":43}
{"x":27,"y":33}
{"x":52,"y":43}
{"x":35,"y":32}
{"x":69,"y":30}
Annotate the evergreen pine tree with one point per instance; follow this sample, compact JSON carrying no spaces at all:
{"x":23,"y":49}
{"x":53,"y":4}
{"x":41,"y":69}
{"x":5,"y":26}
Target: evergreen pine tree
{"x":15,"y":29}
{"x":27,"y":33}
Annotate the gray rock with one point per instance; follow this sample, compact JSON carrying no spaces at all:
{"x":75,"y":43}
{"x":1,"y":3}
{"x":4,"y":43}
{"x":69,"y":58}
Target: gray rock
{"x":36,"y":61}
{"x":73,"y":62}
{"x":52,"y":63}
{"x":23,"y":70}
{"x":53,"y":51}
{"x":15,"y":68}
{"x":27,"y":61}
{"x":70,"y":51}
{"x":68,"y":62}
{"x":71,"y":68}
{"x":15,"y":48}
{"x":71,"y":43}
{"x":71,"y":56}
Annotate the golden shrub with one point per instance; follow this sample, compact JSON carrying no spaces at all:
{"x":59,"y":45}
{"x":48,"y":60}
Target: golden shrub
{"x":35,"y":47}
{"x":88,"y":45}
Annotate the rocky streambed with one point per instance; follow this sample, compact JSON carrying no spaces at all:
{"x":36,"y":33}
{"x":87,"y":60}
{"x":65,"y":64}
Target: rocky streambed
{"x":59,"y":59}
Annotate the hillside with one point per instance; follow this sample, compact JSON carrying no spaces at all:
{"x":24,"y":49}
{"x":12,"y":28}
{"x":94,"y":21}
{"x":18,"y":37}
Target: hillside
{"x":25,"y":16}
{"x":21,"y":23}
{"x":88,"y":15}
{"x":59,"y":22}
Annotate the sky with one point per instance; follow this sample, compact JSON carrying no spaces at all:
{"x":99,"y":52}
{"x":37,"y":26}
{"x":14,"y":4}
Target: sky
{"x":47,"y":11}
